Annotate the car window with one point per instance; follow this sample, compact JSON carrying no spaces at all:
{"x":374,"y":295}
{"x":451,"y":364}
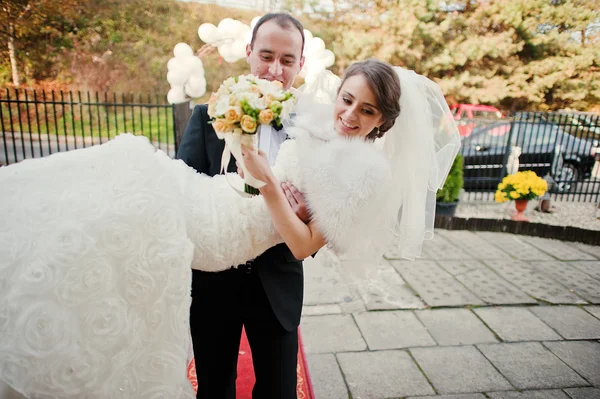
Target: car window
{"x":487,"y":137}
{"x":534,"y":133}
{"x":487,"y":114}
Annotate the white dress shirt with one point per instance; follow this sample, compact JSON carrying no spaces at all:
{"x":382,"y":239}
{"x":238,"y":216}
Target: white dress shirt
{"x":269,"y":141}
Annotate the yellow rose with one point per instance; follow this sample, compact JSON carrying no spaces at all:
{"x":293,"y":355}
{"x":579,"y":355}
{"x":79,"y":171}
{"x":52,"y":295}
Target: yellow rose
{"x":514,"y":195}
{"x":234,"y":114}
{"x":248,"y":124}
{"x":222,"y":126}
{"x":266,"y":116}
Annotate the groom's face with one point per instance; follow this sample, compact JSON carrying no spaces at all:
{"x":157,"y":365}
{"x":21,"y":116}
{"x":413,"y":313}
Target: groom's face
{"x":276,"y":53}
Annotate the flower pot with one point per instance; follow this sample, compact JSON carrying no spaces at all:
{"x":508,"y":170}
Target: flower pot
{"x":520,"y":206}
{"x":446,"y":208}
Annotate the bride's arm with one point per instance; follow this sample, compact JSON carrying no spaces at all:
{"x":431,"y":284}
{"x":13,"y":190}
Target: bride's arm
{"x":302,"y":239}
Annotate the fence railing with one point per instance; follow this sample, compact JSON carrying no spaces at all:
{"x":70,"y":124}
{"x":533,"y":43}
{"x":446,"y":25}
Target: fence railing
{"x":37,"y":123}
{"x":561,"y":147}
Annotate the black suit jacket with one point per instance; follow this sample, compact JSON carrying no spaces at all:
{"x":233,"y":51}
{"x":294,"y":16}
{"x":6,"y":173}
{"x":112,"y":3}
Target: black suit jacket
{"x":280,"y":272}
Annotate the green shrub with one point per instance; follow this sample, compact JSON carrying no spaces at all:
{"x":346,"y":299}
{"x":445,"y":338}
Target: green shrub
{"x":454,"y":182}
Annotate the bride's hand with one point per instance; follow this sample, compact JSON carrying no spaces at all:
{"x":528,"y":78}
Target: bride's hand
{"x":257,"y":165}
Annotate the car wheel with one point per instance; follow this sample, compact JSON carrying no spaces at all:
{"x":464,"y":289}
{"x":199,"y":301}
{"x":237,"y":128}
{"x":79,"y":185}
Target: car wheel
{"x":568,"y":176}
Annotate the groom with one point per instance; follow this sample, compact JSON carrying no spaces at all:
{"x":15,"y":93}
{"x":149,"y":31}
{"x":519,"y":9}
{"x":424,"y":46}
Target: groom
{"x":265,"y":294}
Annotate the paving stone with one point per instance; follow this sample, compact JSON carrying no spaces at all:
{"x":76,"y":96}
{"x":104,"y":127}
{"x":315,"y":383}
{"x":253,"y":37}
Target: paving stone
{"x":529,"y":365}
{"x":533,"y":282}
{"x":383,"y":374}
{"x":558,"y":249}
{"x":434,"y":285}
{"x":485,"y":283}
{"x":323,"y":283}
{"x":353,"y":306}
{"x":475,"y":245}
{"x":326,"y":377}
{"x":318,"y":310}
{"x":459,"y":369}
{"x":393,"y":330}
{"x":441,"y":248}
{"x":591,"y":267}
{"x":581,"y":356}
{"x":334,"y":333}
{"x":516,"y":324}
{"x":590,"y":249}
{"x":538,"y":394}
{"x":455,"y":327}
{"x":595,"y":310}
{"x":583,"y":284}
{"x":569,"y":321}
{"x":384,"y":289}
{"x":514,"y":245}
{"x":583,"y":393}
{"x":465,"y":396}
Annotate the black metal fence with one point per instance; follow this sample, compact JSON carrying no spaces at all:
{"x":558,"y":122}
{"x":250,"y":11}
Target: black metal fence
{"x":37,"y":123}
{"x":561,"y":147}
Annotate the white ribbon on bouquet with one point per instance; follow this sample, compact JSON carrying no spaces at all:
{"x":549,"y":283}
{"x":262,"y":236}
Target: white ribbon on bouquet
{"x":233,"y":145}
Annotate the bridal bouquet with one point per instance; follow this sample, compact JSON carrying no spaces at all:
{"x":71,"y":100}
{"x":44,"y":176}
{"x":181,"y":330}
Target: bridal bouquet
{"x":237,"y":109}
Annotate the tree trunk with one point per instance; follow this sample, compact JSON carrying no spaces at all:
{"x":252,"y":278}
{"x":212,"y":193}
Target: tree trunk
{"x":12,"y":55}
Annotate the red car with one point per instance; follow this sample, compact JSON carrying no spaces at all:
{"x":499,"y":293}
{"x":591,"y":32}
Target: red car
{"x":470,"y":116}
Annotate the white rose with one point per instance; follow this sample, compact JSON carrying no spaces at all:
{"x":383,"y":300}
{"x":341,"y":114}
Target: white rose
{"x":138,"y":286}
{"x":106,"y":324}
{"x":74,"y":374}
{"x":222,"y":104}
{"x":85,"y":280}
{"x":241,"y":86}
{"x":254,"y":101}
{"x":44,"y":329}
{"x":287,"y":108}
{"x":267,"y":87}
{"x":229,"y":82}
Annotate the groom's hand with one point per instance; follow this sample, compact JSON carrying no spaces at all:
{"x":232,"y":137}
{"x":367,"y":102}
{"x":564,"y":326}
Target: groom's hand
{"x":296,"y":200}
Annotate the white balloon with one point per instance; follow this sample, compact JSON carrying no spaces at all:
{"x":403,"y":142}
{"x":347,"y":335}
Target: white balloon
{"x":238,"y":48}
{"x":241,"y":31}
{"x":316,"y":45}
{"x":328,"y":58}
{"x":182,"y":50}
{"x":192,"y":64}
{"x":208,"y":33}
{"x":254,"y":21}
{"x":195,"y":86}
{"x":227,"y":25}
{"x":176,"y":77}
{"x":172,"y":64}
{"x":176,"y":95}
{"x":307,"y":36}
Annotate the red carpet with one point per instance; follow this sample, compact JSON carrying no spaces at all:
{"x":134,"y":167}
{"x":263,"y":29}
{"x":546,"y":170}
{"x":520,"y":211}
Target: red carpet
{"x":245,"y":378}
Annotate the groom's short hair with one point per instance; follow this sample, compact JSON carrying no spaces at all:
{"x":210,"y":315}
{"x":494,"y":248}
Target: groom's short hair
{"x":285,"y":21}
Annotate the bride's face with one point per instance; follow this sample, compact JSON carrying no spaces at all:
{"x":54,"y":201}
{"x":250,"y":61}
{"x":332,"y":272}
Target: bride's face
{"x":355,"y":111}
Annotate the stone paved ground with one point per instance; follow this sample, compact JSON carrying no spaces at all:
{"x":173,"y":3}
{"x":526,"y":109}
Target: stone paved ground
{"x":480,"y":315}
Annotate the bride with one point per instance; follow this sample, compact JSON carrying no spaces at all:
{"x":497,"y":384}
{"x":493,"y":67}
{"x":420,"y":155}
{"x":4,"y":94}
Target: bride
{"x":97,"y":244}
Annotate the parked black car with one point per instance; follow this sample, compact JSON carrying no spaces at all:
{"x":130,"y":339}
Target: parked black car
{"x":543,"y":147}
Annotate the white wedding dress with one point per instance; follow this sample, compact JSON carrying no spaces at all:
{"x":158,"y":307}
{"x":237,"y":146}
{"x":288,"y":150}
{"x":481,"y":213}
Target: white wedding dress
{"x":97,"y":245}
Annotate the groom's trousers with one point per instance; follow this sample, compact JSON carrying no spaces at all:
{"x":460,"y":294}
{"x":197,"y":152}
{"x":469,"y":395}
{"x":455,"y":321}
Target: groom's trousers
{"x":222,"y":303}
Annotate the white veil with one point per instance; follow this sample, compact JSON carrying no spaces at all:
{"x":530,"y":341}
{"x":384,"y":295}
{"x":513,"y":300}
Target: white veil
{"x":421,"y":147}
